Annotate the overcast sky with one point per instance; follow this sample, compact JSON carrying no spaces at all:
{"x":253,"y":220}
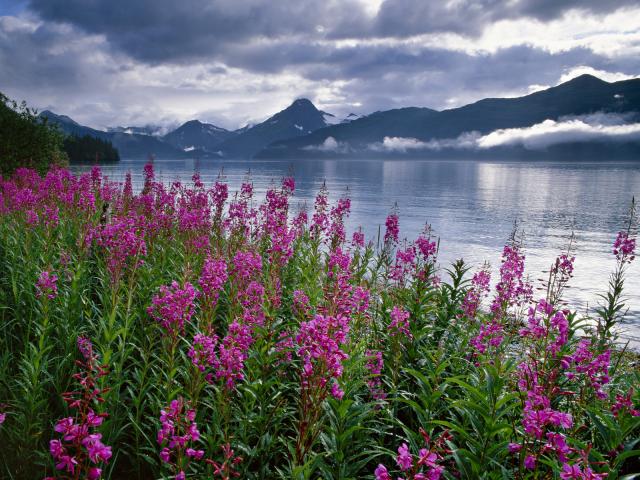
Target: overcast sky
{"x":229,"y":62}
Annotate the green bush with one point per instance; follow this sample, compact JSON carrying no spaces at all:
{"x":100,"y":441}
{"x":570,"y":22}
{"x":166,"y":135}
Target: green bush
{"x":27,"y":140}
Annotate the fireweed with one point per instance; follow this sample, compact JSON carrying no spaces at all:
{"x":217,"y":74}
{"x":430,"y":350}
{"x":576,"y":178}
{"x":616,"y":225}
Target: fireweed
{"x":272,"y":343}
{"x":79,"y":452}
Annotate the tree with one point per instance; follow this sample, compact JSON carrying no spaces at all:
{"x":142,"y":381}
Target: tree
{"x":27,"y":140}
{"x":88,"y":149}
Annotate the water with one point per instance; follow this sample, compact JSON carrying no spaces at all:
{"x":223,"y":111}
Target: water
{"x":470,"y":205}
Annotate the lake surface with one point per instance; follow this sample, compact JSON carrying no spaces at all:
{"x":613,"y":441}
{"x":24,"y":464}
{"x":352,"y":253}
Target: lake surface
{"x":471,"y":205}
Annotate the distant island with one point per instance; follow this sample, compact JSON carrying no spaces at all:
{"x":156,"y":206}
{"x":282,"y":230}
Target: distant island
{"x":585,"y":117}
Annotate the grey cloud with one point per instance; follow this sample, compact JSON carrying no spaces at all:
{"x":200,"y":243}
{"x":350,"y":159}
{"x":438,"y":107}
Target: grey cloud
{"x":145,"y":60}
{"x":156,"y":31}
{"x":165,"y":30}
{"x":401,"y":18}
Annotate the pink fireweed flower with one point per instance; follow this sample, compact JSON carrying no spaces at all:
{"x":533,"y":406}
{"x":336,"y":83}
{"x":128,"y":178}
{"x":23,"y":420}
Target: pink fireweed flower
{"x":252,"y":299}
{"x":357,"y":240}
{"x":289,"y":185}
{"x":320,"y":219}
{"x":173,"y":306}
{"x":405,"y":263}
{"x":219,"y":194}
{"x":374,"y":365}
{"x":178,"y":434}
{"x":512,"y":289}
{"x":426,"y":247}
{"x":530,"y":462}
{"x":47,"y":285}
{"x":360,"y":300}
{"x":425,"y":468}
{"x":203,"y":353}
{"x":557,"y":443}
{"x":399,"y":323}
{"x":544,"y":323}
{"x":478,"y":291}
{"x":382,"y":473}
{"x":232,"y":353}
{"x":624,"y":247}
{"x":514,"y":447}
{"x":80,"y":450}
{"x":148,"y":173}
{"x":575,"y":472}
{"x":404,"y":458}
{"x":212,"y":279}
{"x":301,"y":305}
{"x":338,"y":214}
{"x":319,"y":344}
{"x":538,"y":415}
{"x":300,"y":223}
{"x":624,"y":403}
{"x":491,"y":334}
{"x":247,"y":266}
{"x":393,"y":229}
{"x":586,"y":363}
{"x":123,"y":240}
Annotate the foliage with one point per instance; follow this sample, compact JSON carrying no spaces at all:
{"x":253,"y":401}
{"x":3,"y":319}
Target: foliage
{"x":27,"y":140}
{"x":181,"y":332}
{"x":88,"y":149}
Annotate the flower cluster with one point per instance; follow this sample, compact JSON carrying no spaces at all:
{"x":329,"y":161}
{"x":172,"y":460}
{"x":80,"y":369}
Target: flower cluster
{"x":80,"y":451}
{"x":178,"y":437}
{"x":47,"y":285}
{"x":624,"y":403}
{"x":392,"y":229}
{"x":173,"y":306}
{"x":512,"y":289}
{"x":123,"y":240}
{"x":624,"y":247}
{"x":478,"y":291}
{"x":212,"y":280}
{"x":319,"y":346}
{"x":320,"y":219}
{"x":223,"y":359}
{"x":203,"y":353}
{"x":586,"y":362}
{"x":544,"y":323}
{"x":232,"y":353}
{"x":425,"y":467}
{"x":375,"y":364}
{"x":399,"y":323}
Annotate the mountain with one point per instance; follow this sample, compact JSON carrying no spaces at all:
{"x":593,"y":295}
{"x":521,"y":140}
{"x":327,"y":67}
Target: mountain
{"x":420,"y":129}
{"x":129,"y":145}
{"x":298,"y":119}
{"x":351,"y":117}
{"x":70,"y":127}
{"x":195,"y":135}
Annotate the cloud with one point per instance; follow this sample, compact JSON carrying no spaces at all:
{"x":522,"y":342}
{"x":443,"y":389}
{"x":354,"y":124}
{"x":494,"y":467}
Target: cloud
{"x":230,"y":62}
{"x":597,"y":127}
{"x":602,"y":74}
{"x":329,"y":145}
{"x":406,"y":144}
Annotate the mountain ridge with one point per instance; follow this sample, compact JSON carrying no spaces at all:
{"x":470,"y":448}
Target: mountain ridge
{"x":580,"y":96}
{"x":302,"y":130}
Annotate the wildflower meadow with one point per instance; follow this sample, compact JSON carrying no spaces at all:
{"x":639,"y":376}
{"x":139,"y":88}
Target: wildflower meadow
{"x":189,"y":332}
